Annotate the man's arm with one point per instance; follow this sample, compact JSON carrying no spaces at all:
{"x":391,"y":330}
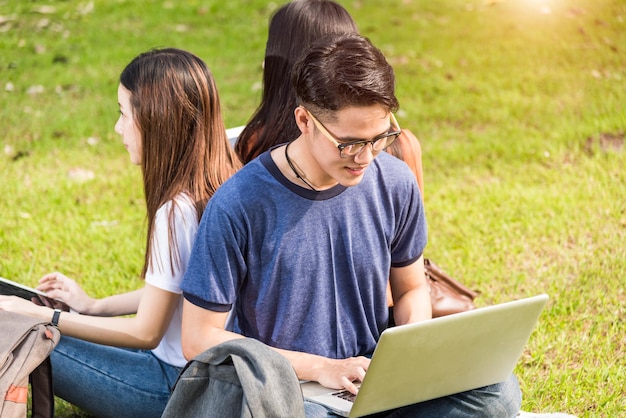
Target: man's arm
{"x":203,"y":329}
{"x":411,"y":293}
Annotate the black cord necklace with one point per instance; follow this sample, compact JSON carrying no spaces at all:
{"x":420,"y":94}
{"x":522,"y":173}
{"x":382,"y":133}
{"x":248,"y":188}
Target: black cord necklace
{"x":293,"y":168}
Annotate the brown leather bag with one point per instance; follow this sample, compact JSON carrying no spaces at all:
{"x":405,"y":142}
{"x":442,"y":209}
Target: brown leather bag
{"x":447,"y":295}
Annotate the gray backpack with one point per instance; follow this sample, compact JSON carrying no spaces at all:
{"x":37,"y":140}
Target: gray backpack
{"x":25,"y":347}
{"x":238,"y":378}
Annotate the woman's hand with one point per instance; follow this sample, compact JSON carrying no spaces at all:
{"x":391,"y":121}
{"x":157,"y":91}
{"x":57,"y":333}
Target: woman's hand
{"x":24,"y":307}
{"x":58,"y":286}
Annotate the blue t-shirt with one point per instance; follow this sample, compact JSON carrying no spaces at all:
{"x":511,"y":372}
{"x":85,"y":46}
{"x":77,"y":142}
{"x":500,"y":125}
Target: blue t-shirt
{"x":307,"y":271}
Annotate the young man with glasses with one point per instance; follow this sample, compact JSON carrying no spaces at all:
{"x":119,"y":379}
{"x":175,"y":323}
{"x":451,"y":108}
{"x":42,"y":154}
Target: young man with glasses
{"x":301,"y":242}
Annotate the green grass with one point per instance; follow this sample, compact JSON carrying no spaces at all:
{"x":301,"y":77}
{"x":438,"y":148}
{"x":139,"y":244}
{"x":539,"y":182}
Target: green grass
{"x":519,"y":105}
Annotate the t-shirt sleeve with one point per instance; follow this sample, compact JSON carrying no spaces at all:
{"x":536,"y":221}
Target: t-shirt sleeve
{"x":216,"y":263}
{"x":411,"y":229}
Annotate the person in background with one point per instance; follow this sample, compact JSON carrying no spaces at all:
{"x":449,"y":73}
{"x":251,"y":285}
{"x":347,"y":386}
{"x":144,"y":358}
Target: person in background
{"x":302,"y":242}
{"x":293,"y":27}
{"x":108,"y":363}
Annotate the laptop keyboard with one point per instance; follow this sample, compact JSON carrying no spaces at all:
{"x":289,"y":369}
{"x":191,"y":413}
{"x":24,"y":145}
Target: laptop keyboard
{"x":344,"y":394}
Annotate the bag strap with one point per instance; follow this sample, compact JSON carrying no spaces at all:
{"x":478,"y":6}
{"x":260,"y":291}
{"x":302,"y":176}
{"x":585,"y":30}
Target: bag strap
{"x":42,"y":391}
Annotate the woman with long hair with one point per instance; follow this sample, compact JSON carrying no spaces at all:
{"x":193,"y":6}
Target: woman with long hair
{"x":109,"y":363}
{"x":293,"y":27}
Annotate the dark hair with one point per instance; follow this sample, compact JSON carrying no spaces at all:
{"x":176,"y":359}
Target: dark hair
{"x":293,"y":27}
{"x":342,"y":71}
{"x":183,"y":140}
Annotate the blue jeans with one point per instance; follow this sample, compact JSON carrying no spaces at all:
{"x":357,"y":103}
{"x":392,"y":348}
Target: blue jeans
{"x":110,"y":381}
{"x":501,"y":400}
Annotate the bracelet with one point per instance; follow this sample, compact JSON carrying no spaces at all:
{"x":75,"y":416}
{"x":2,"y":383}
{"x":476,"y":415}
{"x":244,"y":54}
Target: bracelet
{"x":55,"y":318}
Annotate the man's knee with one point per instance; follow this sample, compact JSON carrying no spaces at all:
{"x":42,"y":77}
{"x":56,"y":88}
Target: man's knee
{"x":500,"y":400}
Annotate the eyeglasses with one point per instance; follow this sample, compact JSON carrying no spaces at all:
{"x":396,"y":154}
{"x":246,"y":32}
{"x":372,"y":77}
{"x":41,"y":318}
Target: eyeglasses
{"x":350,"y":149}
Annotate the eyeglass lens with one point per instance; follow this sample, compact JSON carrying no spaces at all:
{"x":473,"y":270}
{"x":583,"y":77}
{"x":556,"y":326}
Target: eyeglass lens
{"x":378,"y":145}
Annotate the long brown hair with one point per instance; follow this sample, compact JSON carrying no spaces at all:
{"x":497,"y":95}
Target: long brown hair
{"x":293,"y":27}
{"x":184,"y":145}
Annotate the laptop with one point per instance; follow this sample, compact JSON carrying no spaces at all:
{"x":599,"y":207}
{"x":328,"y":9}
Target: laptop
{"x":443,"y":356}
{"x":11,"y":288}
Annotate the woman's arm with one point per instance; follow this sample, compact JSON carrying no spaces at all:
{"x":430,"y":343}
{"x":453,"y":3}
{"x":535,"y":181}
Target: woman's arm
{"x":60,"y":287}
{"x":144,"y":330}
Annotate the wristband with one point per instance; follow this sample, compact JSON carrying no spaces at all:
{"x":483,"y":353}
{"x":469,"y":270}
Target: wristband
{"x":55,"y":318}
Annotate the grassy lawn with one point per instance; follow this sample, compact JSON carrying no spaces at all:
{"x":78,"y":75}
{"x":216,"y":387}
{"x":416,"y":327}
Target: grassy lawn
{"x":520,"y":106}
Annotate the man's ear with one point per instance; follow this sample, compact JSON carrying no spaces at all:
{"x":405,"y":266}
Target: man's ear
{"x":302,"y":119}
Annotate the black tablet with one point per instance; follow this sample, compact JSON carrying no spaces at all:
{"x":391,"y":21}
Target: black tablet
{"x":9,"y":287}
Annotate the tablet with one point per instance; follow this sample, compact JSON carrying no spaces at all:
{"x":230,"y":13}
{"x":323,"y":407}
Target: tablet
{"x":9,"y":287}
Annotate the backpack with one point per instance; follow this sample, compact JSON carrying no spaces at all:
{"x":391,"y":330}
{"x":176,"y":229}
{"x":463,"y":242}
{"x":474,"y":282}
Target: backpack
{"x":238,"y":378}
{"x":25,"y":347}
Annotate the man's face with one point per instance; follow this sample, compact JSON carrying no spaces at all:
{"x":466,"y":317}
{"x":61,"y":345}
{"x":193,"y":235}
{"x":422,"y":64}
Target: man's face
{"x":349,"y":125}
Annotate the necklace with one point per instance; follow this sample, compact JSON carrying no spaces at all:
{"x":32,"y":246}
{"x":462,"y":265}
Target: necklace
{"x":293,"y":168}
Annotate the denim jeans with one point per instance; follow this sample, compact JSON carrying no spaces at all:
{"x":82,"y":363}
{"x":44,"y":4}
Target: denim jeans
{"x":110,"y":381}
{"x":501,"y":400}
